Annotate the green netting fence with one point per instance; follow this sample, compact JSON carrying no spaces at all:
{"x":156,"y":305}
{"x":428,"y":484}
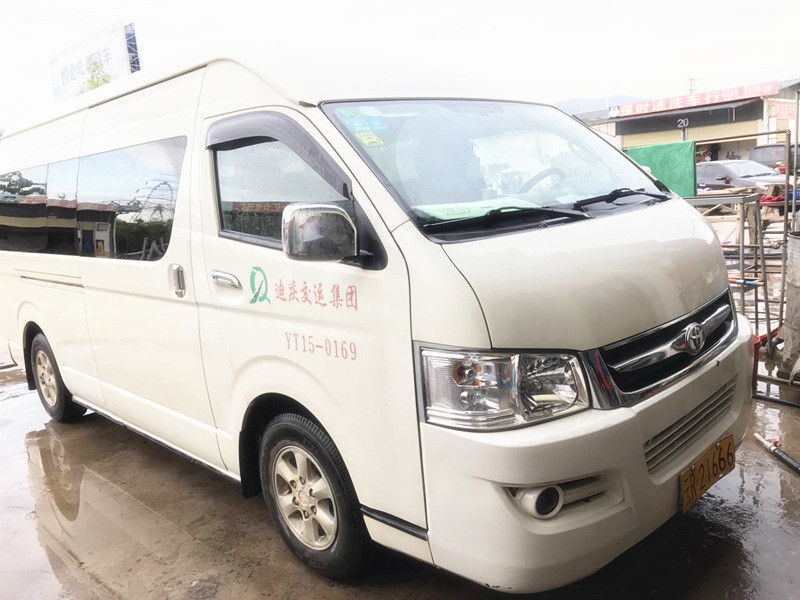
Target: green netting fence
{"x":672,"y":164}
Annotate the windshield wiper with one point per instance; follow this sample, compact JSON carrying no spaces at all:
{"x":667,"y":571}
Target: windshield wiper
{"x":505,"y":213}
{"x":619,"y":193}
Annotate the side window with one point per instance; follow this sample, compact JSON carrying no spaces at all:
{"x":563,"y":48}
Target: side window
{"x":62,"y":207}
{"x":257,"y":178}
{"x":714,"y":171}
{"x":23,"y":210}
{"x":126,"y":200}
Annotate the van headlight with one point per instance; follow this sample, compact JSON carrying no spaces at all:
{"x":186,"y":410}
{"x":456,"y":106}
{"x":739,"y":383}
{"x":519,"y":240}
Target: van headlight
{"x":475,"y":390}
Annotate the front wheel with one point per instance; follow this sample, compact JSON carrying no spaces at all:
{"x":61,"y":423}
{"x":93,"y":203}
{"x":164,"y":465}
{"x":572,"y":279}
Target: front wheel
{"x":311,"y":497}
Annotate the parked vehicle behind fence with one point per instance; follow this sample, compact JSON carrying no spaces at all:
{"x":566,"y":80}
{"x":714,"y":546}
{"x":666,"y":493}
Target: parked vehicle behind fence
{"x":773,"y":156}
{"x":722,"y":174}
{"x":468,"y":330}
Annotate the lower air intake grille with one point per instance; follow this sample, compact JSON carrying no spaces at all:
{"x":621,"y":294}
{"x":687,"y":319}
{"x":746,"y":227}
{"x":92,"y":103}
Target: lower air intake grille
{"x":667,"y":443}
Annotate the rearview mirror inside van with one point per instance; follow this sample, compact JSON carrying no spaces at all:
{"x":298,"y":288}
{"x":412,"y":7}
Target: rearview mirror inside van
{"x":318,"y":232}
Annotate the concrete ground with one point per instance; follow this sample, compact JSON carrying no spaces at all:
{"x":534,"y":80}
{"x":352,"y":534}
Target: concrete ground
{"x":93,"y":511}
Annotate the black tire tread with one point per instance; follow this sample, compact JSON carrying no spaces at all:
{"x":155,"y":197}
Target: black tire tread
{"x":66,"y":409}
{"x":352,"y":560}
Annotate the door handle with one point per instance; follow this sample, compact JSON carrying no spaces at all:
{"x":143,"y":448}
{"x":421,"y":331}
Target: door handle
{"x":178,"y":280}
{"x":226,"y":280}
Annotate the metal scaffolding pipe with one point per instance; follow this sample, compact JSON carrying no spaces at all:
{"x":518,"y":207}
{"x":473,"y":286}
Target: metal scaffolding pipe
{"x":766,"y":398}
{"x":785,"y":230}
{"x":760,"y":238}
{"x":772,"y":448}
{"x":793,"y":164}
{"x":778,"y":381}
{"x":742,"y":211}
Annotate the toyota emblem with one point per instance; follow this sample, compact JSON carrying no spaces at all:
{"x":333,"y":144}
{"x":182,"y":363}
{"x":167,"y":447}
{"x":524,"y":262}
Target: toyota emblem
{"x":695,"y":338}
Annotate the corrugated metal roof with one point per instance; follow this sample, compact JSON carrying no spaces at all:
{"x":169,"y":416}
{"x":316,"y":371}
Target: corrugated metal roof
{"x":782,"y":85}
{"x":686,"y":111}
{"x":597,"y":116}
{"x":601,"y":116}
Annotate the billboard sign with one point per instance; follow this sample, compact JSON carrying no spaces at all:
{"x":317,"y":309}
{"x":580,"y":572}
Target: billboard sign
{"x":782,"y":109}
{"x":90,"y":63}
{"x":742,"y":92}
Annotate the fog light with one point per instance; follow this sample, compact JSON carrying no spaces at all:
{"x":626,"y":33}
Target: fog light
{"x":541,"y":503}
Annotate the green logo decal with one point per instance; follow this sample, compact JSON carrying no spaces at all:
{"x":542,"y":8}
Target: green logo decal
{"x":258,"y":286}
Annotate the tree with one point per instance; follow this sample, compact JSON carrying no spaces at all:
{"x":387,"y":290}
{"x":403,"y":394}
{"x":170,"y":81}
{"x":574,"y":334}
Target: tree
{"x":97,"y":75}
{"x":15,"y":184}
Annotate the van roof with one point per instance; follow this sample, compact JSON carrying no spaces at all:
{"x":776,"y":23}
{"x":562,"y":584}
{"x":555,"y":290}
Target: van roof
{"x":308,"y":77}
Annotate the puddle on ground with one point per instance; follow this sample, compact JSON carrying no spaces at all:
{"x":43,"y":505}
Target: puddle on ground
{"x":94,"y":511}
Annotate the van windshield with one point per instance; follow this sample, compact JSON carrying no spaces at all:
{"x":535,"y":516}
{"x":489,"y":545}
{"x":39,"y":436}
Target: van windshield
{"x":748,"y":168}
{"x":447,"y":160}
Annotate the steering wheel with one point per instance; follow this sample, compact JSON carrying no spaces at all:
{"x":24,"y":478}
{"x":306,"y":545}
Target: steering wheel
{"x":526,"y":187}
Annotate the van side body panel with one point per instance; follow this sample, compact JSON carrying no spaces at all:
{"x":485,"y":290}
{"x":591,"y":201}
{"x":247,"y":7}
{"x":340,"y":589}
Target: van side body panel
{"x":145,"y":336}
{"x":331,"y":336}
{"x":51,"y":142}
{"x":452,"y":315}
{"x":43,"y":289}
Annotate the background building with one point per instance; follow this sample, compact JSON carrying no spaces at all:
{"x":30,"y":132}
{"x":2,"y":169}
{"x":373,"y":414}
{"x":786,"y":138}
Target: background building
{"x":706,"y":115}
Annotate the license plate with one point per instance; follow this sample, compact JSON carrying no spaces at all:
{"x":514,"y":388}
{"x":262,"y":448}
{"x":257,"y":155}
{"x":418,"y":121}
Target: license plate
{"x":717,"y":462}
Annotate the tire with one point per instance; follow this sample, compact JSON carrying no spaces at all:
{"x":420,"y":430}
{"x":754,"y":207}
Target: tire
{"x":324,"y":528}
{"x":54,"y":395}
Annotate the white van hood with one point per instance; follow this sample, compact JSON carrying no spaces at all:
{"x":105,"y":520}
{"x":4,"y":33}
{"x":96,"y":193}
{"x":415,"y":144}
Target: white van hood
{"x":590,"y":283}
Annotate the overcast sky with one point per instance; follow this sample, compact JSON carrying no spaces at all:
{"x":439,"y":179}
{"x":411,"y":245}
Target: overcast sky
{"x":556,"y":50}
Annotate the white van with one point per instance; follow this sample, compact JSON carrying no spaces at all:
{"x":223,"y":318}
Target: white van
{"x":468,"y":330}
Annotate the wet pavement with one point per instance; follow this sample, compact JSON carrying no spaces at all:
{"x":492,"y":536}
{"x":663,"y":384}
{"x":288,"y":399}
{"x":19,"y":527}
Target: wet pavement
{"x":93,"y":511}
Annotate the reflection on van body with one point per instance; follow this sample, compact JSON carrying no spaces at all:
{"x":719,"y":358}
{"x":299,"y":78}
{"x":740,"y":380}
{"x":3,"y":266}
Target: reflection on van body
{"x":40,"y":224}
{"x":23,"y":210}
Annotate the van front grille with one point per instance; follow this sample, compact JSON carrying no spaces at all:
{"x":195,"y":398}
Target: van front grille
{"x":670,"y":441}
{"x":644,"y":360}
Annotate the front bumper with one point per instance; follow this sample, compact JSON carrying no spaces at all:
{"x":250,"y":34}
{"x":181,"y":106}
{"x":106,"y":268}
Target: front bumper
{"x":478,"y":531}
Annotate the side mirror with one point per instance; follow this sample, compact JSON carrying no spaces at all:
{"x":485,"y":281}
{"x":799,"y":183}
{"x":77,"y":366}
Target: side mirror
{"x":318,"y":232}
